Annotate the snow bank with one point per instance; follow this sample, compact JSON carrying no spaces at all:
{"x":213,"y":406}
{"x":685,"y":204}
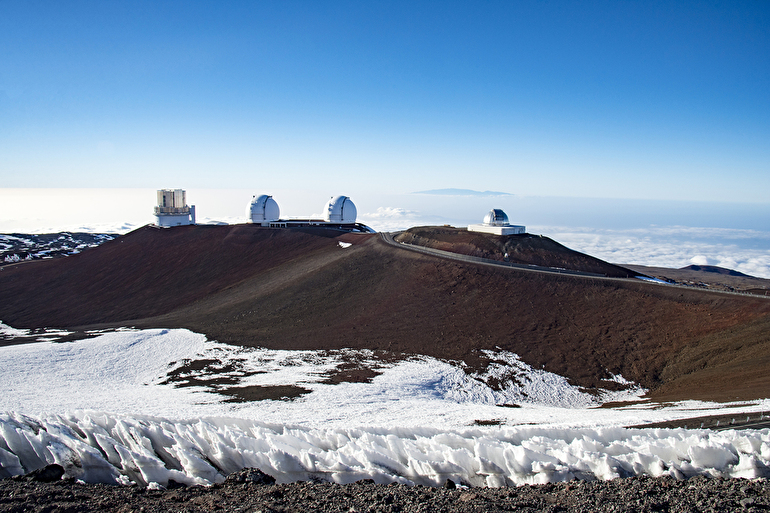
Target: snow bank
{"x":96,"y":447}
{"x":179,"y":374}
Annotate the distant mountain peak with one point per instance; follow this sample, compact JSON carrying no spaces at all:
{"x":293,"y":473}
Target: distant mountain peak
{"x":715,"y":269}
{"x":462,"y":192}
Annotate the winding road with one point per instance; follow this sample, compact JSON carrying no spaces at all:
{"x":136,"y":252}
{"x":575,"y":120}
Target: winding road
{"x":388,"y":238}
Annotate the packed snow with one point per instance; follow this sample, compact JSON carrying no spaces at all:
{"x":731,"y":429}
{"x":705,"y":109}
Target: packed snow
{"x":96,"y":447}
{"x":149,"y":406}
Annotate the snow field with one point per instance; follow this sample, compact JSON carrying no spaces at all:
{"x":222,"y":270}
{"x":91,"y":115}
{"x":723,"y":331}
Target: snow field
{"x":114,"y":371}
{"x":127,"y":371}
{"x":97,"y":447}
{"x":155,"y":429}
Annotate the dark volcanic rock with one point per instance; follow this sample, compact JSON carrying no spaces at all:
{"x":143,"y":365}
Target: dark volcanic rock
{"x":637,"y":494}
{"x":47,"y":474}
{"x":250,"y":475}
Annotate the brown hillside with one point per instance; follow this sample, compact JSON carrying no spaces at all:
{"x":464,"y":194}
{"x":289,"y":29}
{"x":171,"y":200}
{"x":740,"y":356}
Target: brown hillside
{"x":280,"y":288}
{"x":148,"y":272}
{"x":520,"y":249}
{"x":697,"y":276}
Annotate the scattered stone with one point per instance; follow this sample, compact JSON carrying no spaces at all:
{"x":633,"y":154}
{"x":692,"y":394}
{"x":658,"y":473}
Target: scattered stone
{"x":250,"y":475}
{"x":174,"y":485}
{"x":47,"y":474}
{"x":624,"y":495}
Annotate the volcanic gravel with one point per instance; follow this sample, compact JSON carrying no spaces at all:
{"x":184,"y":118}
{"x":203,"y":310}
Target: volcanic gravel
{"x":249,"y":491}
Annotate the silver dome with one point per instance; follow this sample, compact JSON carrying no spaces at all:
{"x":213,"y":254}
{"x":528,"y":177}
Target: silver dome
{"x":496,"y":217}
{"x":340,"y":209}
{"x":262,"y":209}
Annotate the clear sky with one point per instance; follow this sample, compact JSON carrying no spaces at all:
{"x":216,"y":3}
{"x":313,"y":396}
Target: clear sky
{"x":649,"y":100}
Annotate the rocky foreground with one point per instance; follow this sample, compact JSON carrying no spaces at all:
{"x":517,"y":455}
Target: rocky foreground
{"x":250,"y":491}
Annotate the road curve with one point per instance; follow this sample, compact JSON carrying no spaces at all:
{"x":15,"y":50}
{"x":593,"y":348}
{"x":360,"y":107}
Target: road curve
{"x":387,"y":237}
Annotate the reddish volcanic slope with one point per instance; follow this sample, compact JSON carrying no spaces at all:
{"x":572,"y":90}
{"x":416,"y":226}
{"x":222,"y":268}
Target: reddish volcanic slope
{"x":148,"y":272}
{"x":282,"y":288}
{"x":521,"y":249}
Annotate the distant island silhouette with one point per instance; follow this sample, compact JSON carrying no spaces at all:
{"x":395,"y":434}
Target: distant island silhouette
{"x":462,"y":192}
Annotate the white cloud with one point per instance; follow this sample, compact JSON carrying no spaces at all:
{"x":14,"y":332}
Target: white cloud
{"x":700,"y":260}
{"x":745,"y":251}
{"x":393,"y":219}
{"x":391,"y":213}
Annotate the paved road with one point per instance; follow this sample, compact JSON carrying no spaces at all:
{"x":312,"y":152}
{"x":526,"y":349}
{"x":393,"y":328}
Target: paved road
{"x":723,"y":422}
{"x":387,"y":237}
{"x":745,"y":425}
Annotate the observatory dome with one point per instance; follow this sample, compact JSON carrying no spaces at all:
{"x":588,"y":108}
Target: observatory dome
{"x":340,"y":209}
{"x":262,"y":209}
{"x":496,"y":217}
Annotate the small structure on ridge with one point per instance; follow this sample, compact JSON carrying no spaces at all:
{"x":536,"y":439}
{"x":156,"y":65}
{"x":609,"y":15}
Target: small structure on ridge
{"x":496,"y":222}
{"x":172,"y":208}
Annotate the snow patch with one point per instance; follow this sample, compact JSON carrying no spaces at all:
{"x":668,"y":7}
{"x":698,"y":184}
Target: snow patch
{"x":519,"y":382}
{"x":179,"y":374}
{"x":652,"y":280}
{"x":7,"y":331}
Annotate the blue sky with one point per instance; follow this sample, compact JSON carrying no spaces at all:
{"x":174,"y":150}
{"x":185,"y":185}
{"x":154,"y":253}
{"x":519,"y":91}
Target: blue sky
{"x":648,"y":100}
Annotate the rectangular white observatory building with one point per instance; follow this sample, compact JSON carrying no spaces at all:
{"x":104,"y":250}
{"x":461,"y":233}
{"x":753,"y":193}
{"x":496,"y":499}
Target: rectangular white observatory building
{"x":172,"y":209}
{"x":496,"y":222}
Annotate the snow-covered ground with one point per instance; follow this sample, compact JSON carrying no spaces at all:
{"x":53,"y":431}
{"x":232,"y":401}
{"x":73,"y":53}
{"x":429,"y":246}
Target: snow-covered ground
{"x":135,"y":405}
{"x":155,"y":372}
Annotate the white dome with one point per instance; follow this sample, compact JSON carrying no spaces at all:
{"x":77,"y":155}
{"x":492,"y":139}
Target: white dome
{"x":496,"y":217}
{"x":262,"y":209}
{"x":340,"y":210}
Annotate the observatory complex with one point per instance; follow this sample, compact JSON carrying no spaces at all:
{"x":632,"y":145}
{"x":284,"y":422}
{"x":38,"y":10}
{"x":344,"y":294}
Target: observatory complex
{"x":172,"y":209}
{"x":339,"y":213}
{"x":496,"y":221}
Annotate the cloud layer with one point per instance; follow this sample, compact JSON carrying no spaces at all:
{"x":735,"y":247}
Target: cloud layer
{"x":671,"y":246}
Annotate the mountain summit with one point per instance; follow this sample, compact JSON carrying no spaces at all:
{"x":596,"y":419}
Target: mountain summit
{"x":325,"y":289}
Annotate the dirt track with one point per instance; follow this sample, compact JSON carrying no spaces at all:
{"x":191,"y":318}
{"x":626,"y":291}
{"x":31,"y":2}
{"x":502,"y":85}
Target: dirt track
{"x":300,"y":290}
